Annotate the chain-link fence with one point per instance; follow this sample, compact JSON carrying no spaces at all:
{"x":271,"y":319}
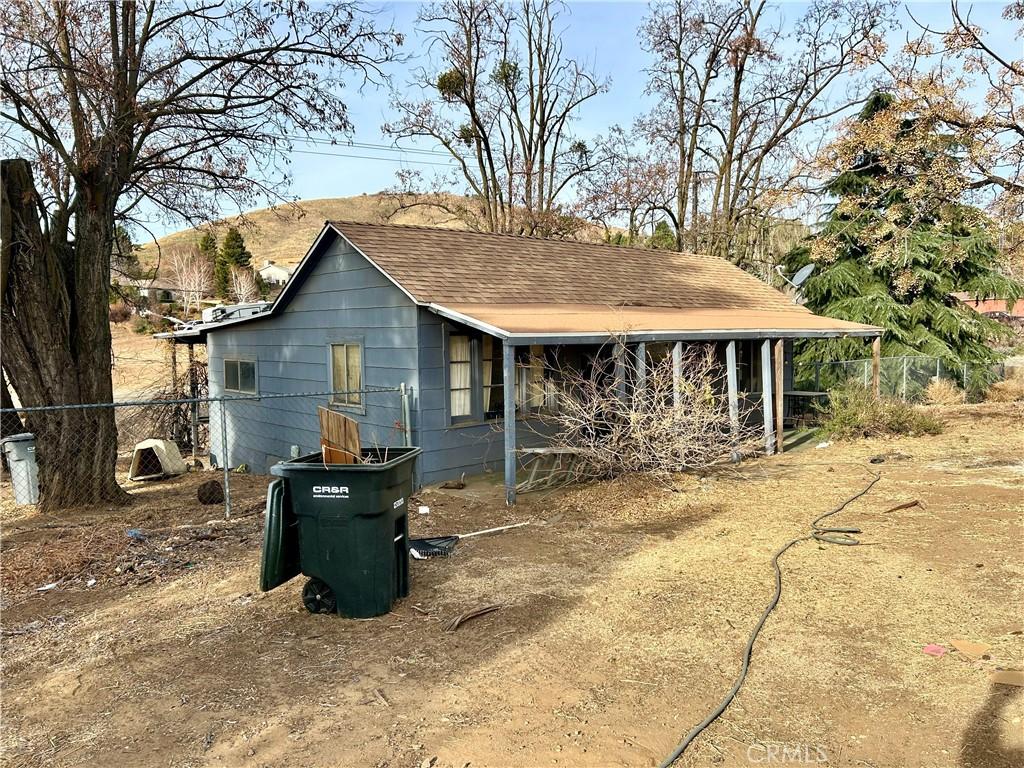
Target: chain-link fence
{"x":176,"y":452}
{"x":906,"y":377}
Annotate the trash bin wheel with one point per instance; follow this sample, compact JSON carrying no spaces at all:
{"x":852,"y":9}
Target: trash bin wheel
{"x":318,"y":597}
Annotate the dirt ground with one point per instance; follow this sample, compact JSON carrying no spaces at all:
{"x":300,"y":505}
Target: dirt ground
{"x":625,"y":607}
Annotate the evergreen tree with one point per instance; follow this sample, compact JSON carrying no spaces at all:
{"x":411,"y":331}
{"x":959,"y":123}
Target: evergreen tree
{"x":663,"y":237}
{"x":208,"y":246}
{"x":233,"y":253}
{"x":899,"y":241}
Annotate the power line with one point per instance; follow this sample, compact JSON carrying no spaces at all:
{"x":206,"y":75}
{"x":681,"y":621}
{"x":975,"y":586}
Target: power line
{"x":368,"y":145}
{"x":370,"y":157}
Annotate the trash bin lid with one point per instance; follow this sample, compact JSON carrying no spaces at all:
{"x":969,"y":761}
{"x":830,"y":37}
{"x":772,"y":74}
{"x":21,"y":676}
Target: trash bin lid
{"x":21,"y":437}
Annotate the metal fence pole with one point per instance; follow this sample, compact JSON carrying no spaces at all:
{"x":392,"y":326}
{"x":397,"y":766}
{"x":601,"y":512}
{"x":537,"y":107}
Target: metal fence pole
{"x":904,"y":377}
{"x":406,"y":414}
{"x":224,"y":459}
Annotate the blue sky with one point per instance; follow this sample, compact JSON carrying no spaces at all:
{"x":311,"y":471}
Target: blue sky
{"x":602,"y":34}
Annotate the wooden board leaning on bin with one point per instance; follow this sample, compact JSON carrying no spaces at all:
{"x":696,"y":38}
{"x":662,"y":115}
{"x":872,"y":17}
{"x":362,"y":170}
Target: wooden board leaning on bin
{"x":339,"y":437}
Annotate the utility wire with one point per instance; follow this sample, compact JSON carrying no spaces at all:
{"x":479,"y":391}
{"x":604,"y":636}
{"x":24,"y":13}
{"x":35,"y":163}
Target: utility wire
{"x":829,"y":535}
{"x":369,"y":157}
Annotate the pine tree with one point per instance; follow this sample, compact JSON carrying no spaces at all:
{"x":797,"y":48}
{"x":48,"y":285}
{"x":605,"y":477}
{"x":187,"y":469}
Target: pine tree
{"x":208,"y":246}
{"x":899,"y":241}
{"x":233,"y":253}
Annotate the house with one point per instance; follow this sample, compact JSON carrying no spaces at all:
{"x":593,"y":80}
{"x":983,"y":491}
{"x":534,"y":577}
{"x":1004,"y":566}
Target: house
{"x":275,"y":274}
{"x":460,"y":319}
{"x":1010,"y":313}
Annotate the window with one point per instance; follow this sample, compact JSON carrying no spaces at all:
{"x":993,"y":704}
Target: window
{"x":531,"y":388}
{"x":460,"y":375}
{"x":476,"y":380}
{"x":346,"y":373}
{"x":493,"y":379}
{"x":240,"y":376}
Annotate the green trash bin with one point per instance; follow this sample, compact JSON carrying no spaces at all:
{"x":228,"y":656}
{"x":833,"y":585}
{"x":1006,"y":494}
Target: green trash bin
{"x":345,"y":526}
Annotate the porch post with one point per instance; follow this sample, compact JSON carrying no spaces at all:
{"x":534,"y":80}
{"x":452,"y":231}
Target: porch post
{"x":619,"y":357}
{"x":734,"y":397}
{"x":876,"y":366}
{"x":677,"y":371}
{"x":767,"y":406}
{"x":508,"y":359}
{"x":641,"y":365}
{"x":780,"y":369}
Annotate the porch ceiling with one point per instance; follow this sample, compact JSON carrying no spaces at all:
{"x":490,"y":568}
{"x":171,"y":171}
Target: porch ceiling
{"x":592,"y":322}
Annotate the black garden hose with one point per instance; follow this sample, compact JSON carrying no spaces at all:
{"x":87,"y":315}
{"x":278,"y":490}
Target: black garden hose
{"x":830,"y":535}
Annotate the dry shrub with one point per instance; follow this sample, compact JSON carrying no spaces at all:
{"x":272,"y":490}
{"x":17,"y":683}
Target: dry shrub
{"x":853,"y":411}
{"x":1009,"y":391}
{"x":119,"y":313}
{"x":943,"y":392}
{"x":660,"y":428}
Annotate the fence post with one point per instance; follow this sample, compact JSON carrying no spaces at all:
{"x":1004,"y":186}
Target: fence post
{"x":817,"y":376}
{"x":224,"y":458}
{"x":904,"y":377}
{"x":965,"y":375}
{"x":406,"y":415}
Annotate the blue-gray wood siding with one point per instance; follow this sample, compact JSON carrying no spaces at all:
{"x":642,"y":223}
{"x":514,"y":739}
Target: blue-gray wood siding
{"x":450,"y":450}
{"x":345,"y":298}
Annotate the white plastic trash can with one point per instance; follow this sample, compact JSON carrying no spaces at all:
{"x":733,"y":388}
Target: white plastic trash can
{"x":20,"y":451}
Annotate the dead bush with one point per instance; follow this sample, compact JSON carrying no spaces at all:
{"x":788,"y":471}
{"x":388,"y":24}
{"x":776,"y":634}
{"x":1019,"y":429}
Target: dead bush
{"x":119,"y":312}
{"x":645,"y":419}
{"x":943,"y":392}
{"x":853,"y":411}
{"x":1008,"y":391}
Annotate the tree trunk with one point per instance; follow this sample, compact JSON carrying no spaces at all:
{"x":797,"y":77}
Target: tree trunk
{"x":57,"y":339}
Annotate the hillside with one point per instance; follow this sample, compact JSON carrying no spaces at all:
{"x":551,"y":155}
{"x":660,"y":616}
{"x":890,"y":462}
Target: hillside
{"x":283,"y":234}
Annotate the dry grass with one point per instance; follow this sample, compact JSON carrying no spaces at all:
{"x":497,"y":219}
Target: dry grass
{"x":284,"y":234}
{"x":943,"y":392}
{"x":1009,"y":391}
{"x":64,"y":555}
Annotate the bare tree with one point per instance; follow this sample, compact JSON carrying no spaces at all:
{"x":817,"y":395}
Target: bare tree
{"x":632,"y":185}
{"x":740,"y":96}
{"x":193,"y":276}
{"x":243,"y":284}
{"x":176,"y":107}
{"x":503,"y":99}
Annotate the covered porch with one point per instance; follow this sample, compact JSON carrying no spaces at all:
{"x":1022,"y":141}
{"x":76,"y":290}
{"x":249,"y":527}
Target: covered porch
{"x":754,"y":345}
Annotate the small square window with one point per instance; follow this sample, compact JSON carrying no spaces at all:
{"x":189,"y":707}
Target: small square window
{"x":240,"y":376}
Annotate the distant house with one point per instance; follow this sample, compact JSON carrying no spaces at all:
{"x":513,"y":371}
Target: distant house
{"x":461,"y":320}
{"x":156,"y":290}
{"x":275,"y":274}
{"x":998,"y":309}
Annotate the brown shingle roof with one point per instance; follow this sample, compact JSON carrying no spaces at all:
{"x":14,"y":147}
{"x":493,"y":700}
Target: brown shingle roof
{"x":449,"y":267}
{"x":539,"y":319}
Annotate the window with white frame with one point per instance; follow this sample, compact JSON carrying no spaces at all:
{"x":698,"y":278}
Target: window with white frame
{"x":347,"y":373}
{"x":476,"y":381}
{"x":240,"y":376}
{"x":460,"y":375}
